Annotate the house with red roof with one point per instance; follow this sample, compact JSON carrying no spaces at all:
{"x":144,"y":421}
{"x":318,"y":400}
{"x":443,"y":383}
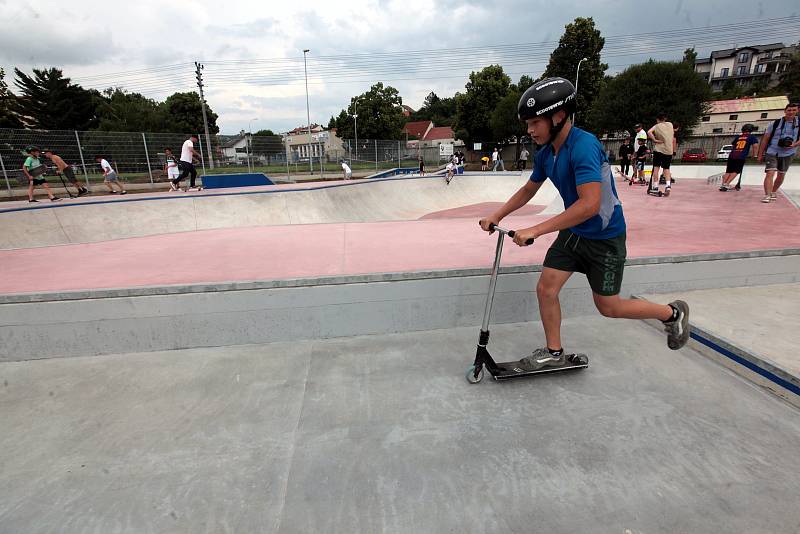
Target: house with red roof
{"x":416,"y":130}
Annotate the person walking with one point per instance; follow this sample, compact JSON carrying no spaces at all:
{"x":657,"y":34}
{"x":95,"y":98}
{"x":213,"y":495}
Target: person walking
{"x":780,"y":143}
{"x":591,"y":229}
{"x":626,"y":152}
{"x":741,"y":147}
{"x":186,"y":164}
{"x":171,"y":168}
{"x":110,"y":177}
{"x":66,"y":170}
{"x":421,"y":165}
{"x":34,"y":171}
{"x":663,"y":136}
{"x":496,"y":160}
{"x":523,"y":158}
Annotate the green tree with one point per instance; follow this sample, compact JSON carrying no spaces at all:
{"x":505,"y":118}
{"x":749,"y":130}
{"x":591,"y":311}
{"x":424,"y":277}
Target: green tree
{"x":474,"y":107}
{"x":8,"y":119}
{"x":442,"y":111}
{"x":640,"y":92}
{"x":505,"y":123}
{"x":49,"y":101}
{"x":580,"y":40}
{"x":380,"y":115}
{"x":264,"y":133}
{"x":690,"y":56}
{"x":184,"y":114}
{"x":790,"y":78}
{"x":121,"y":111}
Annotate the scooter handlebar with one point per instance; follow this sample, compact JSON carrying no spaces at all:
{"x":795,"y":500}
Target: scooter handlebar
{"x":509,"y":233}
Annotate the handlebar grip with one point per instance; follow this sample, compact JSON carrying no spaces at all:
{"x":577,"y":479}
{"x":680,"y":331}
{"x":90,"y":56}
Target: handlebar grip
{"x":512,"y":233}
{"x":492,"y":226}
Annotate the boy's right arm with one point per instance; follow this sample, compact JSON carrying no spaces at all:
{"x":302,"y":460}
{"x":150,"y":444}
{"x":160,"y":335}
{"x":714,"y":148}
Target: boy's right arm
{"x":517,"y":200}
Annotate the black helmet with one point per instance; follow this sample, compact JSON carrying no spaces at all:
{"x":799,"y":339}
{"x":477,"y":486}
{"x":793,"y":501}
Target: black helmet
{"x":546,"y":97}
{"x":748,"y":128}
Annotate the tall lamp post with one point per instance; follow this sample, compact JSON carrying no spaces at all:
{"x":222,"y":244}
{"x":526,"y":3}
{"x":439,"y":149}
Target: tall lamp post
{"x":355,"y":126}
{"x":577,"y":75}
{"x":250,"y":142}
{"x":308,"y":112}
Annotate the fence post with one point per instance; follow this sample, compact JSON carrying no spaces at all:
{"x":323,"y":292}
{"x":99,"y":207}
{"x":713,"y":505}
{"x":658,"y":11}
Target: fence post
{"x":147,"y":157}
{"x":83,"y":163}
{"x":399,"y":164}
{"x":202,"y":157}
{"x":376,"y":154}
{"x":321,"y":162}
{"x":5,"y":175}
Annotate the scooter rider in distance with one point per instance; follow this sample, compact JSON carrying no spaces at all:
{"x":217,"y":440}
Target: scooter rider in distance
{"x":591,"y":229}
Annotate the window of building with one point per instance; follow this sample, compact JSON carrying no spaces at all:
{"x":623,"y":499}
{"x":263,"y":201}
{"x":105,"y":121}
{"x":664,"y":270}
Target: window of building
{"x":744,"y":56}
{"x":742,"y":69}
{"x":716,"y":130}
{"x":763,"y":115}
{"x":760,"y":68}
{"x":733,"y":117}
{"x":724,"y":72}
{"x":706,"y":118}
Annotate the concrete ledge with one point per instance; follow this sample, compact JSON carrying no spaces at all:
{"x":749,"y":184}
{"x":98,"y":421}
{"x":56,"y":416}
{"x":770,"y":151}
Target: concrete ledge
{"x":756,"y":368}
{"x":148,"y":319}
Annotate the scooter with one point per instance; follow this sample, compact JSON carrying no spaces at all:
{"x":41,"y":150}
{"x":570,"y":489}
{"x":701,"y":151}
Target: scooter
{"x":509,"y":370}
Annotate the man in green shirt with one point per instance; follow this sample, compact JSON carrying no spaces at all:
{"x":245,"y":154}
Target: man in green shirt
{"x":34,"y":171}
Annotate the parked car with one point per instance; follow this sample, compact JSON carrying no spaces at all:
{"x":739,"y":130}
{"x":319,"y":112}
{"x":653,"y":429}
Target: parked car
{"x":694,"y":154}
{"x":724,"y":152}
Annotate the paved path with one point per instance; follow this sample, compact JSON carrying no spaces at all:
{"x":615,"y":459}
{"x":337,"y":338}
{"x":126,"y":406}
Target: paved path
{"x":383,"y":434}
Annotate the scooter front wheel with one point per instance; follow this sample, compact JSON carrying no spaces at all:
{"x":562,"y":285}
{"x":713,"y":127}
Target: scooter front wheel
{"x":472,"y":377}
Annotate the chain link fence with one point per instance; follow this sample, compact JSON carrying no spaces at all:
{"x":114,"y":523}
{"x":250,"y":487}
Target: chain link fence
{"x":139,"y":157}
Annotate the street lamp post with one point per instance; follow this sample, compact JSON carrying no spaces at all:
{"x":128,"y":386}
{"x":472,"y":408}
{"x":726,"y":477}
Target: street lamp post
{"x":577,"y":75}
{"x":250,"y":142}
{"x":308,"y":113}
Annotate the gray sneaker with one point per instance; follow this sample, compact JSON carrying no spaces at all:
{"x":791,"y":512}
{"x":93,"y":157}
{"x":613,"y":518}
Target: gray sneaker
{"x":678,"y":330}
{"x":542,"y":358}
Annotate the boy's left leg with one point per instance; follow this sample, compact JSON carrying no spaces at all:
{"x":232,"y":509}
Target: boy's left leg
{"x":605,"y":260}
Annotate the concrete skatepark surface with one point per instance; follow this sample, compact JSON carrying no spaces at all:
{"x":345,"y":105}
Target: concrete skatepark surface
{"x":383,"y":434}
{"x":695,"y":219}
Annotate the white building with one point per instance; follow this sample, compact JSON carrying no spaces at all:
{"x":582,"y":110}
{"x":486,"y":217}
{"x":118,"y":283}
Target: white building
{"x":728,"y":116}
{"x":745,"y":65}
{"x":299,"y":145}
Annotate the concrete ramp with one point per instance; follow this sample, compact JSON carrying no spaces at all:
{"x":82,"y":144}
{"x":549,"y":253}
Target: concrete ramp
{"x":91,"y":220}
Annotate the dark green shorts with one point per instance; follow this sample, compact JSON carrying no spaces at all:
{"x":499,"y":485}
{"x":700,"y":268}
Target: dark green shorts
{"x":601,"y":260}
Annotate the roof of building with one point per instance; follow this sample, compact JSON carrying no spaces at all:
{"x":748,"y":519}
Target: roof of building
{"x":407,"y":110}
{"x":728,"y":52}
{"x":304,"y":130}
{"x":439,"y":132}
{"x":232,"y":141}
{"x":417,"y":128}
{"x":766,"y":103}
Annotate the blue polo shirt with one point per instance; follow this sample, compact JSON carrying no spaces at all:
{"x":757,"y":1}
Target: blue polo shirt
{"x":582,"y":160}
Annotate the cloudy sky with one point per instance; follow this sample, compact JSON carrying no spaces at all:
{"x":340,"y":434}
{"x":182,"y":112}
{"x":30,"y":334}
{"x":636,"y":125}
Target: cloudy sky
{"x":252,"y":50}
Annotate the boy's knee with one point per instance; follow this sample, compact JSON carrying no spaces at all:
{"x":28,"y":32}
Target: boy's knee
{"x":545,"y":290}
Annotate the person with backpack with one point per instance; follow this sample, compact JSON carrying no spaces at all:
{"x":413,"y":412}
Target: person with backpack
{"x":780,"y":143}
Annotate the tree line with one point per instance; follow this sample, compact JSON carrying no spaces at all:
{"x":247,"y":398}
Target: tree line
{"x":47,"y":100}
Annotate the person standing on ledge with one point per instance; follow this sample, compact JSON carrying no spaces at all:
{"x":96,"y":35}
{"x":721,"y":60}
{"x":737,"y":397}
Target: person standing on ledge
{"x":591,"y":229}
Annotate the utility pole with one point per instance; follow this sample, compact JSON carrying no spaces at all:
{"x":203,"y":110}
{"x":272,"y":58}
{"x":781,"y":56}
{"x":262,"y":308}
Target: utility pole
{"x":308,"y":114}
{"x":199,"y":72}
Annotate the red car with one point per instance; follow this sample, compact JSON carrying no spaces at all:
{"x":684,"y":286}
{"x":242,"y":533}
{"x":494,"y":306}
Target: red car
{"x":694,"y":154}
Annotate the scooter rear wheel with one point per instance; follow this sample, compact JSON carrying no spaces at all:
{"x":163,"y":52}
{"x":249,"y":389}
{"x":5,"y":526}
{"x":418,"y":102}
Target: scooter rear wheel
{"x":471,"y":378}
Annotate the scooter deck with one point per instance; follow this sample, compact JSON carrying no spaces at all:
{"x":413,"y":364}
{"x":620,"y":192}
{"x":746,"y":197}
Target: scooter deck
{"x":509,"y":370}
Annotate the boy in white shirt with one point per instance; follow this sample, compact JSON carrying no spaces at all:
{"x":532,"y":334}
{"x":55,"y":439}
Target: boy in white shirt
{"x":109,"y":175}
{"x":348,"y":173}
{"x":171,"y":168}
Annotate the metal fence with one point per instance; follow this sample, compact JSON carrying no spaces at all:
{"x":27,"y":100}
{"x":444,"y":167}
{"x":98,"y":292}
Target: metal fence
{"x":139,"y":157}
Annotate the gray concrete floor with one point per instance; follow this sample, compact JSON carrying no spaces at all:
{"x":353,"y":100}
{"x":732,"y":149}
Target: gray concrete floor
{"x":760,"y":319}
{"x":383,"y":434}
